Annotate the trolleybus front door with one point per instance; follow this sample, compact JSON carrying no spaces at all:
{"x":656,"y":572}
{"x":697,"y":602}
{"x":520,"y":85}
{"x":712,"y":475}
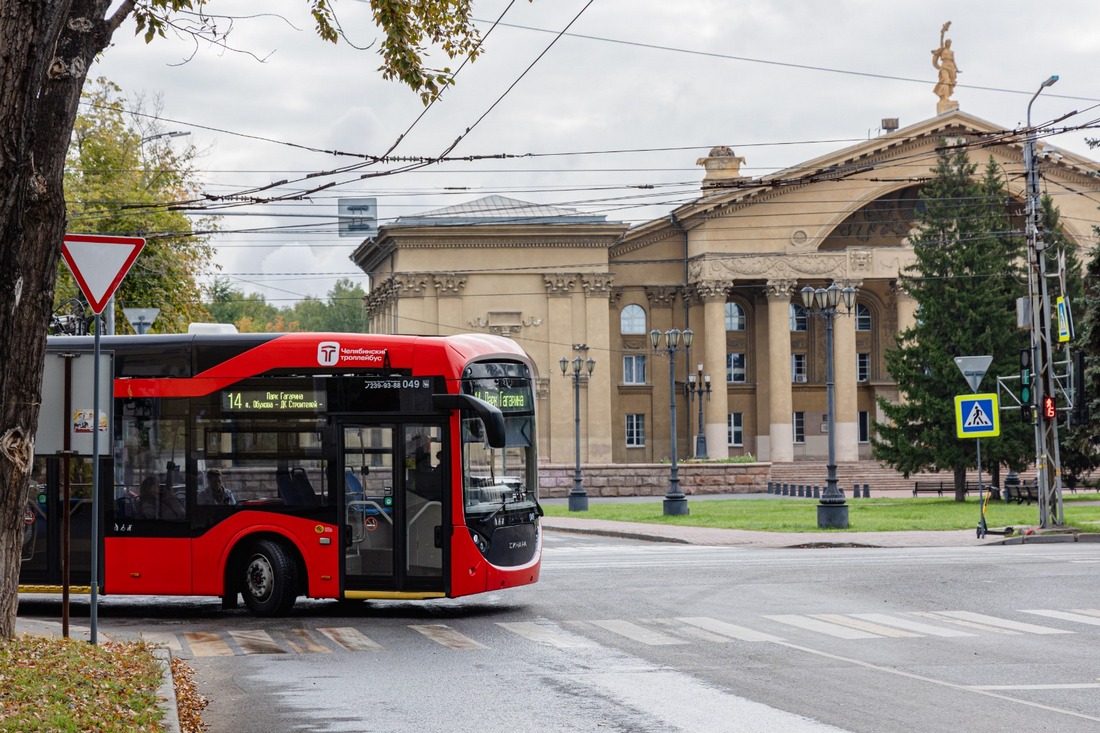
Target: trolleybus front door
{"x":393,"y":507}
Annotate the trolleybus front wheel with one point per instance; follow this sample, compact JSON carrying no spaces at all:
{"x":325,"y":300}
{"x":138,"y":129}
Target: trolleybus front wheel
{"x":270,"y":579}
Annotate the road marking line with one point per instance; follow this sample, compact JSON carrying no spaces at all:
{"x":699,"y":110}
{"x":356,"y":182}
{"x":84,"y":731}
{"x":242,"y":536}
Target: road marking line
{"x":638,"y":633}
{"x":256,"y":641}
{"x":823,"y":627}
{"x":865,"y":625}
{"x":205,"y":644}
{"x":941,"y":683}
{"x":917,"y":626}
{"x":1067,"y":616}
{"x":352,"y":639}
{"x":960,"y":622}
{"x":1087,"y":611}
{"x":732,"y":631}
{"x":300,"y":642}
{"x":1003,"y":623}
{"x":1069,"y":686}
{"x":445,"y":635}
{"x":544,"y":633}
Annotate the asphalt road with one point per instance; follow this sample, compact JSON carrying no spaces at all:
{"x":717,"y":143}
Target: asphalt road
{"x":631,"y":636}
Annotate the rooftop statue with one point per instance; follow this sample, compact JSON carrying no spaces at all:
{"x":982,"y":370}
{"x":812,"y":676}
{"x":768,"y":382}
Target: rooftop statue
{"x":943,"y":59}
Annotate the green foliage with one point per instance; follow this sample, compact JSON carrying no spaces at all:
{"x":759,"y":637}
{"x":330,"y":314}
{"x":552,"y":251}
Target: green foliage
{"x":865,"y":515}
{"x":408,"y":27}
{"x":122,"y":179}
{"x":341,"y":312}
{"x":966,"y":279}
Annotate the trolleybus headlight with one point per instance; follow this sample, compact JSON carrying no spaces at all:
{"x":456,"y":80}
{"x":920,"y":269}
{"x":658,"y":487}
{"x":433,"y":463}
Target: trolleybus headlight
{"x":481,"y":542}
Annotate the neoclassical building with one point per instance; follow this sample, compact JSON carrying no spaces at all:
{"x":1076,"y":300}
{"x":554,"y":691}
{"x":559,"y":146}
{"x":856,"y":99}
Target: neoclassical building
{"x":729,"y":266}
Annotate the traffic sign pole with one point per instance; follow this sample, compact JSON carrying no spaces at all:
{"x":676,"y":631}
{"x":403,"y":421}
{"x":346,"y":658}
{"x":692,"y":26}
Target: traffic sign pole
{"x":99,"y":264}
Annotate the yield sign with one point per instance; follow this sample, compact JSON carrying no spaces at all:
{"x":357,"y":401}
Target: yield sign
{"x":973,"y":368}
{"x":99,"y":263}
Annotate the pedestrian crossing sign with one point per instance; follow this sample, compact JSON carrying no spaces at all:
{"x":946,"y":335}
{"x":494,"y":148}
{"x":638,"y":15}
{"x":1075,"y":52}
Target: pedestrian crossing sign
{"x":977,"y":416}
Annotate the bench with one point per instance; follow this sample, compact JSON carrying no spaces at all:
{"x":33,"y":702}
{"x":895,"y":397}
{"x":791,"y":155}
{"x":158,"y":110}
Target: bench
{"x":1026,"y":491}
{"x":930,"y":487}
{"x":938,"y":487}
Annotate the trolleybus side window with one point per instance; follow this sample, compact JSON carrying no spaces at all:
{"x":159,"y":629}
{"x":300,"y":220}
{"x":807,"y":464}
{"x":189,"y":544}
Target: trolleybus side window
{"x":150,"y":458}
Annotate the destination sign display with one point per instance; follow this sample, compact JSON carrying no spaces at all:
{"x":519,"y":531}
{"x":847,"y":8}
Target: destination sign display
{"x":273,"y":400}
{"x":504,"y":398}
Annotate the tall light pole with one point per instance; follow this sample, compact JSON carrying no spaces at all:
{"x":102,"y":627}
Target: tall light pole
{"x":675,"y":503}
{"x":832,"y":511}
{"x":1048,"y":474}
{"x":578,"y":499}
{"x":697,"y":386}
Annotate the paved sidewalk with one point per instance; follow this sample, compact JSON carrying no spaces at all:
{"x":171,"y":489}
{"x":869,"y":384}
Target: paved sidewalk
{"x":747,"y":538}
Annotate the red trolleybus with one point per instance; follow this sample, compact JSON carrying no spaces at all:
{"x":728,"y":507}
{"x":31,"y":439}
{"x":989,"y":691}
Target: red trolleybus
{"x":276,"y":466}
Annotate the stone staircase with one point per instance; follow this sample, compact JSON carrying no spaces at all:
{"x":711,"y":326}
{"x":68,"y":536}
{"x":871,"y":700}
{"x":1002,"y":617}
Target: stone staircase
{"x":881,"y":479}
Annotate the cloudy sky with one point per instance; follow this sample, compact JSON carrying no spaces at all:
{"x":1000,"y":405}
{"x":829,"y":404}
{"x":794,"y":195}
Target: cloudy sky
{"x":608,"y":118}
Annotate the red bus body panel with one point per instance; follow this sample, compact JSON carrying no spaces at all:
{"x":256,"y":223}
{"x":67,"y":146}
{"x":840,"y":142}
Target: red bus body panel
{"x":147,"y":566}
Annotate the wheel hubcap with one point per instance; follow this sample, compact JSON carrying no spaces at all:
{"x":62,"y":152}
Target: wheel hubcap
{"x":259,"y":577}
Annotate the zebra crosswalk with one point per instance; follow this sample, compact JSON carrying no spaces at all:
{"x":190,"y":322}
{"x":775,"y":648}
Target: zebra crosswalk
{"x":648,"y":632}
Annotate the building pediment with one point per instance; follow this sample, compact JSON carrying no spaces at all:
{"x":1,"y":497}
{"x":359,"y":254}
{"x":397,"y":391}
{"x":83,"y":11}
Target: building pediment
{"x":862,"y":161}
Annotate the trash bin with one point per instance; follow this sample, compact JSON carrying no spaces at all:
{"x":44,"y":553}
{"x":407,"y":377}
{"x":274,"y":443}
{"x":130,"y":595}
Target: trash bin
{"x":1012,"y":486}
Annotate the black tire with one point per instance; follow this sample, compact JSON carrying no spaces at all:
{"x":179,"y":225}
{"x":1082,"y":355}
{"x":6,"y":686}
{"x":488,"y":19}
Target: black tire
{"x":269,"y":579}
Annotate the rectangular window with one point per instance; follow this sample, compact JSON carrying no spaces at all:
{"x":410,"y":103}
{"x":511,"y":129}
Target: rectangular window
{"x":735,"y":429}
{"x":863,"y":367}
{"x":735,"y":368}
{"x":864,"y":426}
{"x":635,"y":431}
{"x":798,"y":424}
{"x":798,"y":367}
{"x":634,"y":369}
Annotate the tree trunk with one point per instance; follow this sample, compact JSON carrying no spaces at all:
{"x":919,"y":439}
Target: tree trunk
{"x":960,"y":483}
{"x":46,"y":48}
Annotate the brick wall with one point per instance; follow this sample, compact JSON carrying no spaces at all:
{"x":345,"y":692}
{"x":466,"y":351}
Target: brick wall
{"x":651,"y":479}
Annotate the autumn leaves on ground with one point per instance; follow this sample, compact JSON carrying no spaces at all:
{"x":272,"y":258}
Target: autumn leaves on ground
{"x":61,"y":685}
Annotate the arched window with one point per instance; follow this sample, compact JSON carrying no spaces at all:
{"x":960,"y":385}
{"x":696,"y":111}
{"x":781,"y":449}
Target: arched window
{"x":863,"y":317}
{"x":735,"y":317}
{"x":632,"y":319}
{"x":798,"y":318}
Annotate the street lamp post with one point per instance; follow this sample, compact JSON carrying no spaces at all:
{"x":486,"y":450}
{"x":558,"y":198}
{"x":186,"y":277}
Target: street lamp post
{"x":578,"y":499}
{"x":832,"y":511}
{"x":699,"y":385}
{"x":675,"y":503}
{"x":1048,"y":460}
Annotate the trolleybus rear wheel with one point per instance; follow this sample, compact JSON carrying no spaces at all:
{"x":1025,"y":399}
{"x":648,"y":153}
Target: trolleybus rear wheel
{"x":270,"y":579}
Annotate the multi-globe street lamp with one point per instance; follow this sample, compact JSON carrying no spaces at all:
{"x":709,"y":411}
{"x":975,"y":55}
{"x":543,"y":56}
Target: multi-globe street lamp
{"x":578,"y":499}
{"x":698,"y":384}
{"x":832,"y":511}
{"x":675,"y":503}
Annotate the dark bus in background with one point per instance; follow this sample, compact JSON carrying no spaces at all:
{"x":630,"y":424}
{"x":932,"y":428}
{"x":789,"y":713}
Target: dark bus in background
{"x":277,"y":466}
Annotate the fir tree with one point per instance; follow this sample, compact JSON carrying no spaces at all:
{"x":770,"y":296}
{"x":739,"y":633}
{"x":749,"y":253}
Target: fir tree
{"x":966,"y":279}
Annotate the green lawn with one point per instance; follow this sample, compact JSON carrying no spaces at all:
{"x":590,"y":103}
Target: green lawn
{"x":864,"y":515}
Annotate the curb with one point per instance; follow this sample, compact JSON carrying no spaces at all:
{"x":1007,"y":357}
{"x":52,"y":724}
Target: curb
{"x":166,"y":693}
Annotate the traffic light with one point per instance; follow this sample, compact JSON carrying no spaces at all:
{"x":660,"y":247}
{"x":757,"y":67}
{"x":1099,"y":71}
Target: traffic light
{"x":1025,"y":376}
{"x":1025,"y":413}
{"x":1049,"y":410}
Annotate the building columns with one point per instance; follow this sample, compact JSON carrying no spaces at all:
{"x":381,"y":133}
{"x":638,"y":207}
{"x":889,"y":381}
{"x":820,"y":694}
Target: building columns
{"x":780,"y":439}
{"x":713,"y":295}
{"x":844,"y":365}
